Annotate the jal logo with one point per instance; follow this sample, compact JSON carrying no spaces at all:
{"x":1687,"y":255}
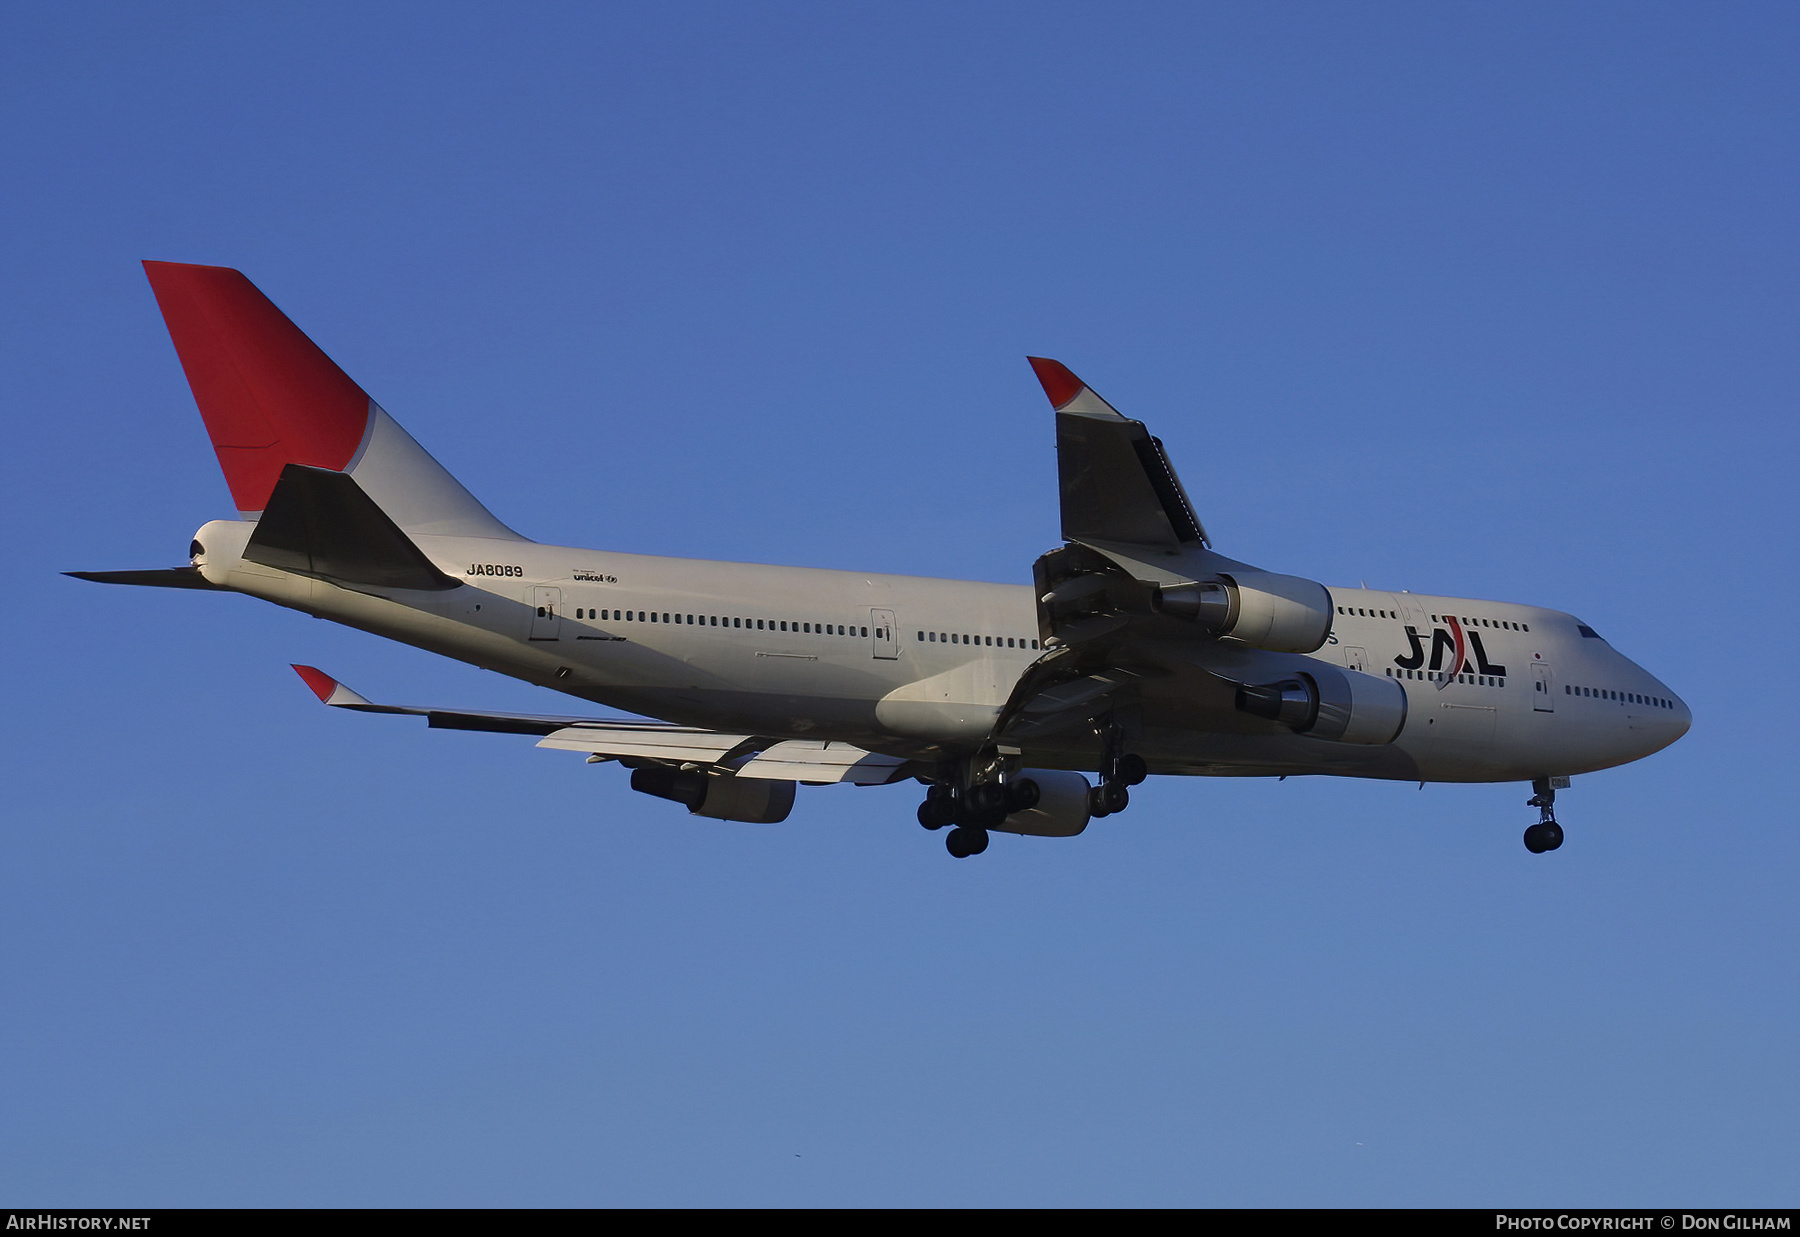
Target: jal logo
{"x":1450,"y":649}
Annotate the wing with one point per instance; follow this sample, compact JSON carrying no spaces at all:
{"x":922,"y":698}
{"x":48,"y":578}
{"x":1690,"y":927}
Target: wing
{"x":635,"y":743}
{"x":1116,"y":480}
{"x":1136,"y":612}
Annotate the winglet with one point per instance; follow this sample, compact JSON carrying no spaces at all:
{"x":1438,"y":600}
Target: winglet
{"x":1067,"y":392}
{"x":328,"y":689}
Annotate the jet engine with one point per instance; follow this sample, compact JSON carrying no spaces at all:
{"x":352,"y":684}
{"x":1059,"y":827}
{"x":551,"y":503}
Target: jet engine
{"x":1283,"y":614}
{"x":1062,"y":806}
{"x":1322,"y":702}
{"x":722,"y":796}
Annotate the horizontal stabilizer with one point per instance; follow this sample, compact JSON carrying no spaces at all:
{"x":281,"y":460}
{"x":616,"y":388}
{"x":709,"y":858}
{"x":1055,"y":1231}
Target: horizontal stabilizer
{"x":153,"y":577}
{"x":319,"y":523}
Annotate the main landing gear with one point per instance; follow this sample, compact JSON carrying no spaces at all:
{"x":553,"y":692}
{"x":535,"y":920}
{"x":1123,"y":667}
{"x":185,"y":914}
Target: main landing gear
{"x":1546,"y":834}
{"x":1118,"y":770}
{"x":976,"y":806}
{"x":975,"y":811}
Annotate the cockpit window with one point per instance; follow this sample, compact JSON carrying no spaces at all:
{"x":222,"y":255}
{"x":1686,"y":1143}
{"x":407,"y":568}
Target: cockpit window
{"x":1589,"y":632}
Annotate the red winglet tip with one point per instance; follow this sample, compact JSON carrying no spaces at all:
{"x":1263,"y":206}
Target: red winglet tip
{"x":321,"y":683}
{"x":1058,"y":383}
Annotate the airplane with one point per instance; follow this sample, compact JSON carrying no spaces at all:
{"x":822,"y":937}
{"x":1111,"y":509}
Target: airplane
{"x":1136,"y":649}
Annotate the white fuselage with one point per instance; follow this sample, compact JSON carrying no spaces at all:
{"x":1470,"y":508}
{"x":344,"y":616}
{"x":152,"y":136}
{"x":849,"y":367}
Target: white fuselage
{"x":922,"y":667}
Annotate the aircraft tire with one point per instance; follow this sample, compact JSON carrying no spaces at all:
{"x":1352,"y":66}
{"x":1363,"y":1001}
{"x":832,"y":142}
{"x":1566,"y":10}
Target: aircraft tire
{"x":987,"y":798}
{"x":1023,"y":795}
{"x":1132,"y":769}
{"x":1546,"y":835}
{"x":1113,"y":796}
{"x":963,"y":841}
{"x":928,"y":816}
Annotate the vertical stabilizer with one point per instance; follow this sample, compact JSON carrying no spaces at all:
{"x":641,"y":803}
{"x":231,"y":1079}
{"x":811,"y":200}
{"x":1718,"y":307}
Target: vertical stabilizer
{"x":270,"y":397}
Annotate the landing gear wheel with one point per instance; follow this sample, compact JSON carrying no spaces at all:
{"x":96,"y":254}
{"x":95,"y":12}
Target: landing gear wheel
{"x":1132,"y":769}
{"x":939,"y":808}
{"x":1022,"y":794}
{"x":963,"y":841}
{"x":1543,"y":836}
{"x":1113,"y":796}
{"x":987,"y":798}
{"x":1096,"y":805}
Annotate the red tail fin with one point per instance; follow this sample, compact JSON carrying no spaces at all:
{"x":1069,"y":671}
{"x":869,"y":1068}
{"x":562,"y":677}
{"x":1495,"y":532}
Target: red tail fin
{"x":269,"y":396}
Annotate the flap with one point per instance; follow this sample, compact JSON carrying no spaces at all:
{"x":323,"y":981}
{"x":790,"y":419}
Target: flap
{"x":648,"y":741}
{"x":811,"y":760}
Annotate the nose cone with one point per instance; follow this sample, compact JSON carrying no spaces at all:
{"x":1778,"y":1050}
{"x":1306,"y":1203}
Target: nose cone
{"x":1684,"y":718}
{"x":1656,"y":728}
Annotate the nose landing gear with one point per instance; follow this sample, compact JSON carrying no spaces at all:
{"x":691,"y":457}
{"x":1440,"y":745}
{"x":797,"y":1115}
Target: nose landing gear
{"x":1546,"y":834}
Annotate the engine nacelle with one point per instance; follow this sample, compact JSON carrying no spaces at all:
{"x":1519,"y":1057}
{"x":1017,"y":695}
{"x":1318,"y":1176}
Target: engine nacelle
{"x":1283,"y":614}
{"x":1344,"y":706}
{"x":722,"y":796}
{"x":1062,"y":806}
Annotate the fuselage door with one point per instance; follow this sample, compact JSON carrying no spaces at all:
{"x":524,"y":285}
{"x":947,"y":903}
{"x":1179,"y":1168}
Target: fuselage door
{"x":546,"y":619}
{"x":881,"y":631}
{"x":1355,"y":658}
{"x":1543,"y":684}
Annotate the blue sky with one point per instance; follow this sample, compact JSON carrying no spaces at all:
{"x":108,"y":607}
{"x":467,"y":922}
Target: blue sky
{"x":1489,"y":300}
